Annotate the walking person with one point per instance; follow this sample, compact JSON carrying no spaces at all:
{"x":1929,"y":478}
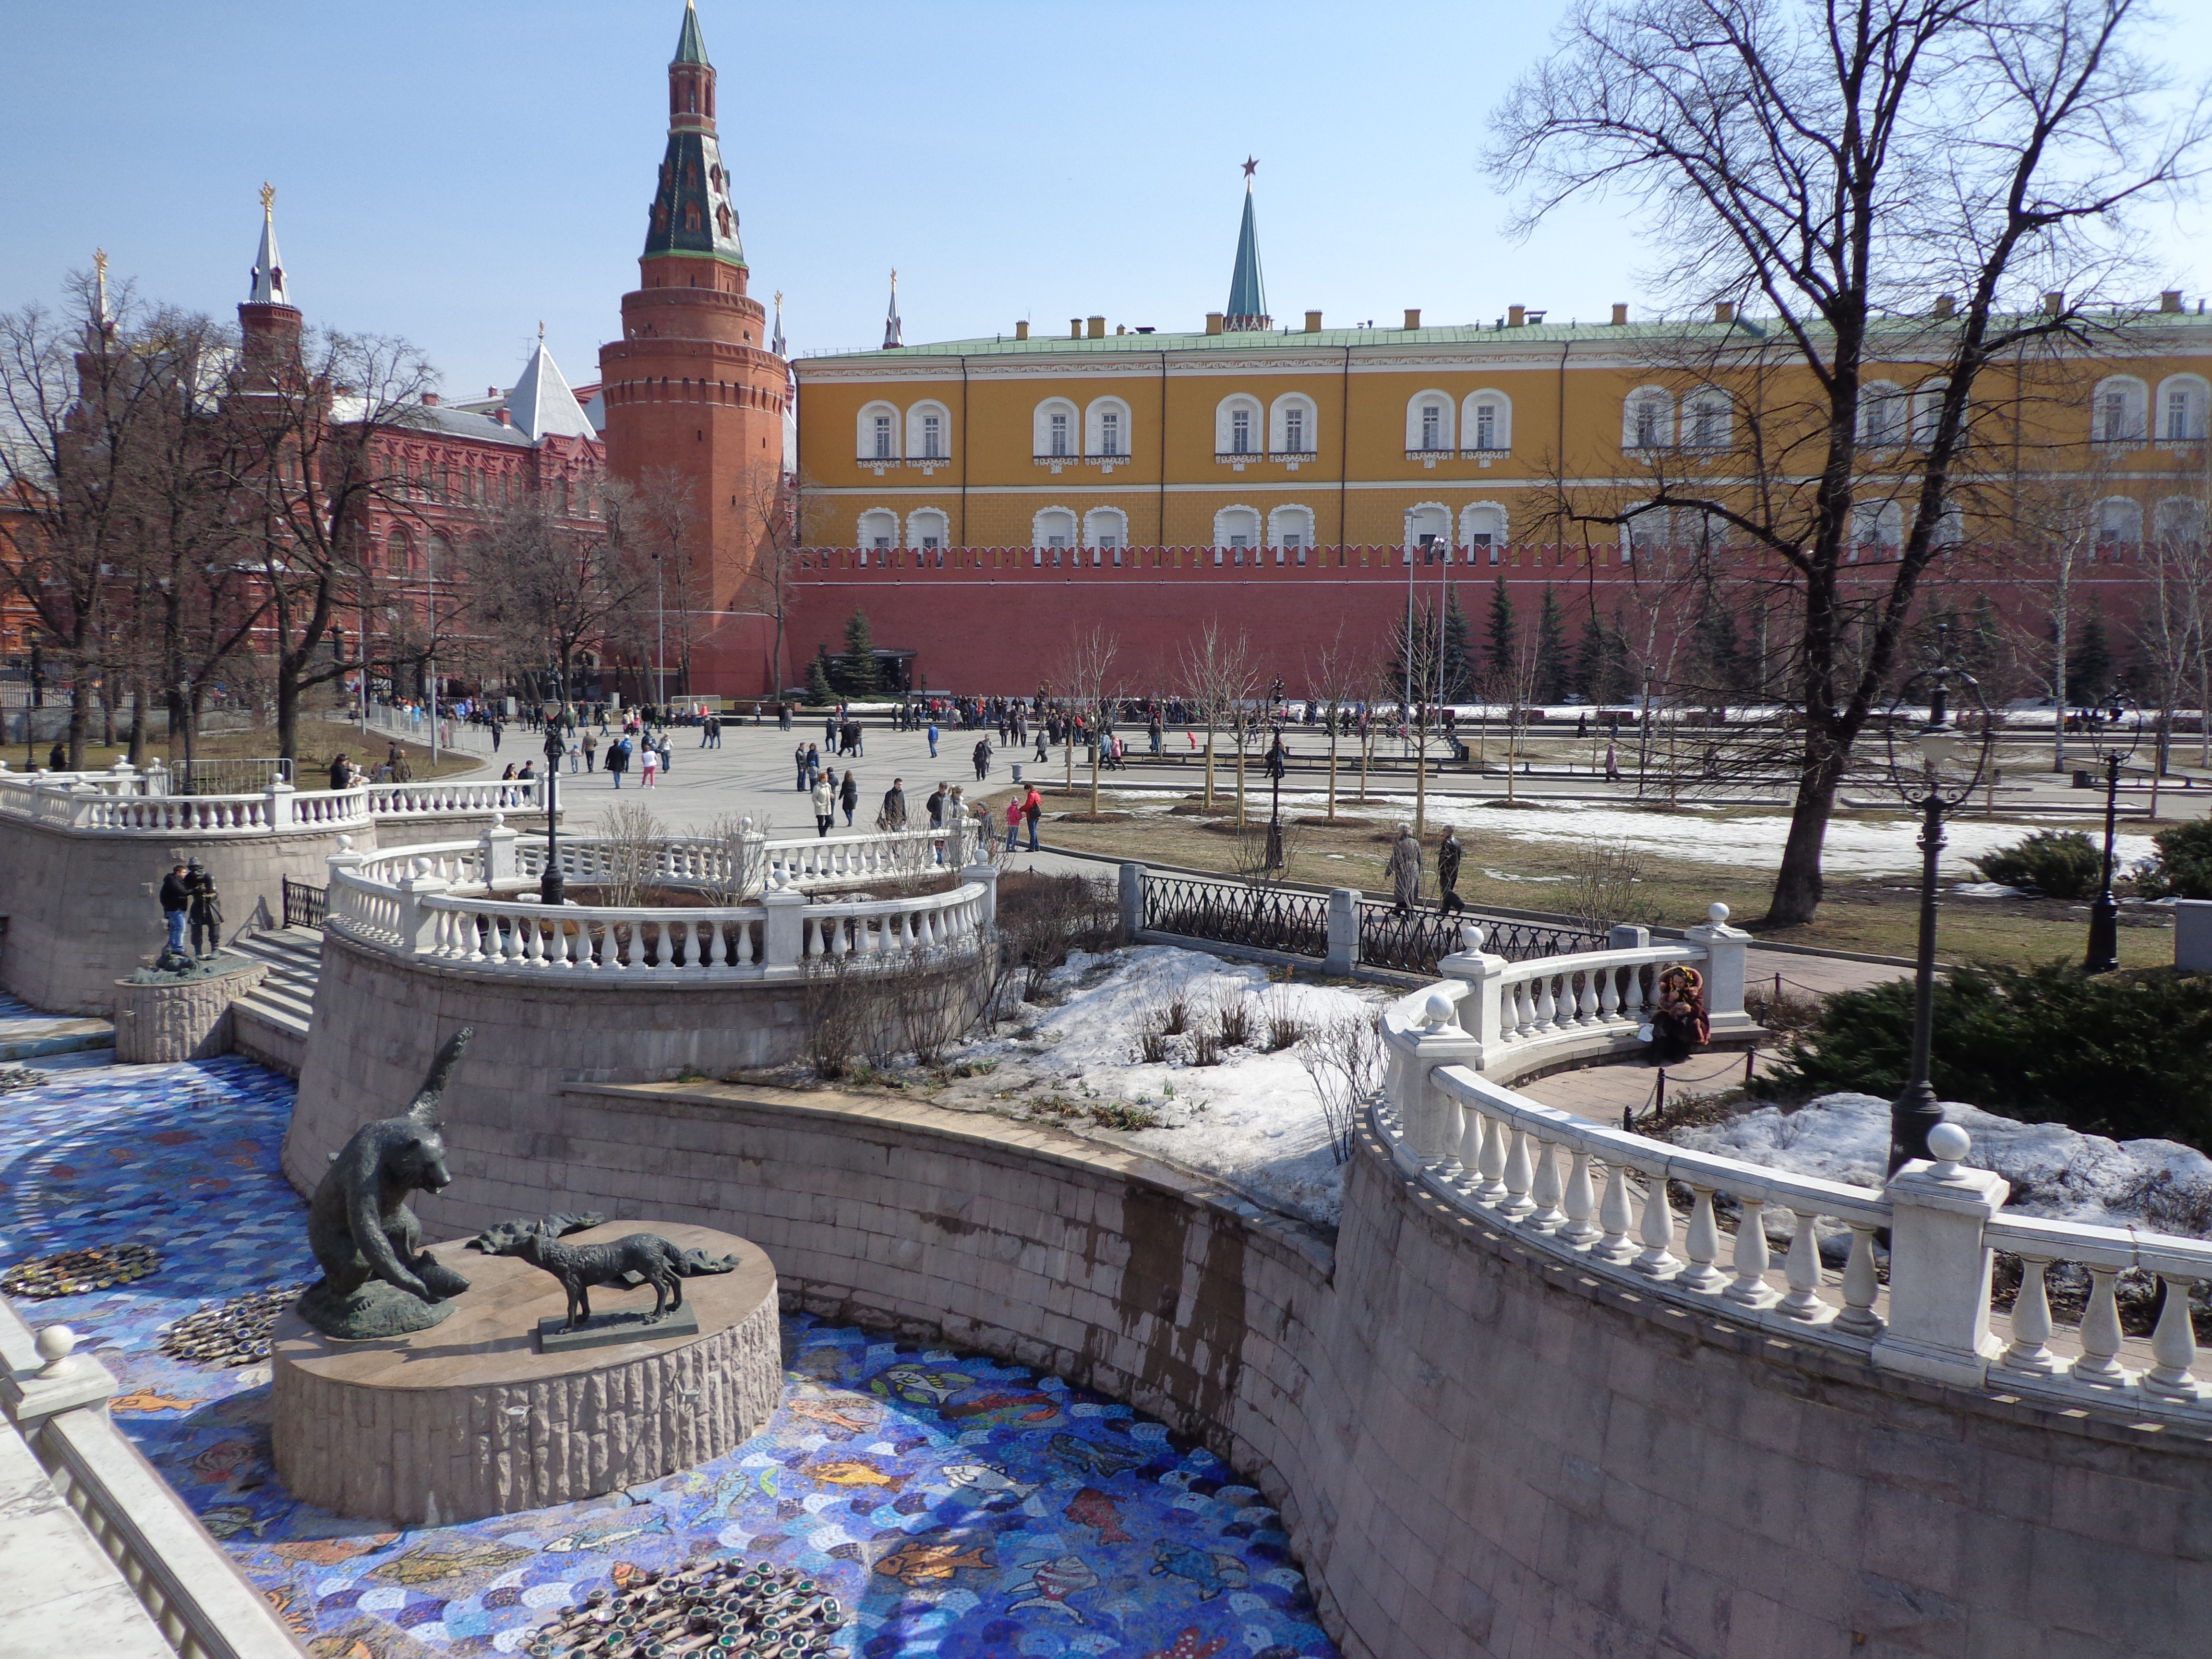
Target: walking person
{"x":849,"y":795}
{"x":1611,"y":765}
{"x":894,"y":815}
{"x":1447,"y":858}
{"x":932,"y":736}
{"x":1044,"y":733}
{"x":1013,"y":822}
{"x":1404,"y":870}
{"x":935,"y":805}
{"x":619,"y":759}
{"x":1032,"y":810}
{"x":824,"y":802}
{"x":649,"y":764}
{"x":591,"y":751}
{"x":982,"y":759}
{"x":800,"y":760}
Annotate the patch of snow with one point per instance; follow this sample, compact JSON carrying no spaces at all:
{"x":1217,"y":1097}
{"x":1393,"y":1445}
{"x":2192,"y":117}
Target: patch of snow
{"x":1986,"y":890}
{"x":2055,"y":1171}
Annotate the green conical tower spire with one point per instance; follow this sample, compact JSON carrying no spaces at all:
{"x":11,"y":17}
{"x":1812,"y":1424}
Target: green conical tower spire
{"x":691,"y":45}
{"x":1248,"y":295}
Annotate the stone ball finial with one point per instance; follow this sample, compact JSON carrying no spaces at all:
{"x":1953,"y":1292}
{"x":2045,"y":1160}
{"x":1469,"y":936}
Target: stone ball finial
{"x":419,"y":868}
{"x":498,"y":819}
{"x":1470,"y":939}
{"x":56,"y":1343}
{"x":1717,"y":914}
{"x":1946,"y":1144}
{"x":345,"y":843}
{"x":1437,"y":1011}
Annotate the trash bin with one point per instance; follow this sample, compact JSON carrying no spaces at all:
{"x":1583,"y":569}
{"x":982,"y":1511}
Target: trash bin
{"x":1017,"y":771}
{"x":2083,"y":781}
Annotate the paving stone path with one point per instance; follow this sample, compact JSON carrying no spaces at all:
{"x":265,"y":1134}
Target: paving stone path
{"x":963,"y":1509}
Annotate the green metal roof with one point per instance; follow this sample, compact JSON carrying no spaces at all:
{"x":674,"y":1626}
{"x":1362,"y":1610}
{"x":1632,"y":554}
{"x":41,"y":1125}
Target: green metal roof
{"x":1248,"y":295}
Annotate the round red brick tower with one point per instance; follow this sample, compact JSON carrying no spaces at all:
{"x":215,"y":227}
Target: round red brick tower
{"x":694,"y":393}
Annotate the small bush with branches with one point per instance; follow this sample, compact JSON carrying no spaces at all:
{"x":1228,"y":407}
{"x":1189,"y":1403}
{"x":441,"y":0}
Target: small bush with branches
{"x":2063,"y":864}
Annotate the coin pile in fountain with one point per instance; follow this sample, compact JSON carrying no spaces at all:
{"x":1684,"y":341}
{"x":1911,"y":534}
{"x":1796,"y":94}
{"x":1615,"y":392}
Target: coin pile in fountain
{"x":72,"y":1273}
{"x":235,"y":1332}
{"x":20,"y":1077}
{"x":713,"y":1608}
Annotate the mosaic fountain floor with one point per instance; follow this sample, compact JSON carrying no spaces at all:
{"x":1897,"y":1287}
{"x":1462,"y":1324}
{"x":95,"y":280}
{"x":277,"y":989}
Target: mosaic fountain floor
{"x":962,"y":1509}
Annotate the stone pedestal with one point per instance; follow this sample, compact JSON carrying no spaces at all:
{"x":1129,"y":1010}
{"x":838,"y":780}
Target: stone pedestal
{"x":468,"y":1418}
{"x":162,"y":1022}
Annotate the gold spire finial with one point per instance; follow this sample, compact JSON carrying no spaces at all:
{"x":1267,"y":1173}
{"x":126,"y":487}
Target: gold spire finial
{"x":100,"y":262}
{"x":541,"y":331}
{"x":268,"y":197}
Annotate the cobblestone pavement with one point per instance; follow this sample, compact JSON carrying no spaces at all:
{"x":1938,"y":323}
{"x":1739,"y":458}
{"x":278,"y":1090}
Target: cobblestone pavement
{"x":962,"y":1509}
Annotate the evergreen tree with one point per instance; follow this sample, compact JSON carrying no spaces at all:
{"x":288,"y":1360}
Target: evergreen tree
{"x":2089,"y":664}
{"x":856,"y":669}
{"x":1421,"y":651}
{"x":819,"y":691}
{"x":1459,"y":660}
{"x":1590,"y":658}
{"x":1718,"y":648}
{"x":1619,"y":676}
{"x":1502,"y":647}
{"x":1552,"y":665}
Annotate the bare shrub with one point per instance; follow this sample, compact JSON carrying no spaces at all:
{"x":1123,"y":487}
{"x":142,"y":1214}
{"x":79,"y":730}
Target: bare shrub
{"x":1780,"y":1009}
{"x":735,"y":865}
{"x":632,"y":844}
{"x":1152,"y":1046}
{"x":1234,"y":1018}
{"x":1284,"y":1026}
{"x":1601,"y":882}
{"x":1175,"y":1015}
{"x":1041,"y":919}
{"x":1205,"y":1044}
{"x":835,"y":1021}
{"x":1344,"y":1058}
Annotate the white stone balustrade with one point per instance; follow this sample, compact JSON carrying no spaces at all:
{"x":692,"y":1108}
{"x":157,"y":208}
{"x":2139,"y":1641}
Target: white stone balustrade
{"x":1651,"y":1215}
{"x":122,"y":802}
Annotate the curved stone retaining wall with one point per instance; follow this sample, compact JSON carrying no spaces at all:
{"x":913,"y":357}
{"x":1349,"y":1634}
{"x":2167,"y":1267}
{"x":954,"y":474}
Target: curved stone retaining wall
{"x":1477,"y":1451}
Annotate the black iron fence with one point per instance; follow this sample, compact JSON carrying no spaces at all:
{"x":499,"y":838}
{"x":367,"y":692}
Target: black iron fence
{"x":304,"y":903}
{"x":1415,"y":941}
{"x":1230,"y":913}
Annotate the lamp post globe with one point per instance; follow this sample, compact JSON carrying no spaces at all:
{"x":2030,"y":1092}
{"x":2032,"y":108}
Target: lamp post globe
{"x":550,"y":885}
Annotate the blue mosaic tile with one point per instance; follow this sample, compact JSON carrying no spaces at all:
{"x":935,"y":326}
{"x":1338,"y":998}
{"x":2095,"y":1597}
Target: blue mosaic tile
{"x":963,"y":1510}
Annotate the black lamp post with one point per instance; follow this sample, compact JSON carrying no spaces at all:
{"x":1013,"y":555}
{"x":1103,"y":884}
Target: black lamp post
{"x":2103,"y":954}
{"x":1934,"y":780}
{"x":550,"y":885}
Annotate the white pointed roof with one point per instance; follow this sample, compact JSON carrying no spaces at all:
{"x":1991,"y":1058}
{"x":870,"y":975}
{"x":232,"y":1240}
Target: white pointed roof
{"x":269,"y":288}
{"x":541,"y":405}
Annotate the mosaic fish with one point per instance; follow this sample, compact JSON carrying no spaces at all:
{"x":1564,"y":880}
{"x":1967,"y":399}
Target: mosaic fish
{"x":1052,"y":1582}
{"x":145,"y":1400}
{"x":917,"y":1563}
{"x":825,"y":1363}
{"x":298,"y":1616}
{"x":602,"y":1538}
{"x":364,"y":1639}
{"x":988,"y":1481}
{"x":919,"y":1386}
{"x":854,"y":1418}
{"x":228,"y":1520}
{"x":329,"y":1552}
{"x":221,"y":1462}
{"x":729,"y":1491}
{"x":1006,"y":1408}
{"x":1090,"y":1455}
{"x":433,"y":1562}
{"x":1189,"y":1646}
{"x":854,"y":1474}
{"x":1211,"y":1573}
{"x":1093,"y":1508}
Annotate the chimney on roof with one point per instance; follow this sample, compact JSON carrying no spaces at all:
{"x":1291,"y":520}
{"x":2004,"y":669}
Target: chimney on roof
{"x":491,"y":391}
{"x":430,"y":400}
{"x":504,"y":418}
{"x":1097,"y":328}
{"x":1075,"y":328}
{"x":1213,"y":322}
{"x":1022,"y":329}
{"x":1946,"y":307}
{"x":1313,"y":322}
{"x":1724,"y":311}
{"x":1412,"y":317}
{"x":1619,"y":316}
{"x":1516,"y":316}
{"x":2053,"y":304}
{"x":2170,"y":299}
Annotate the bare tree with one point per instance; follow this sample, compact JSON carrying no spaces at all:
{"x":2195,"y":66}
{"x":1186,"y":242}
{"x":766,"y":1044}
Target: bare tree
{"x":1220,"y":677}
{"x":1333,"y":680}
{"x":772,"y":510}
{"x":656,"y":527}
{"x":1811,"y":159}
{"x":1089,"y":681}
{"x":543,"y":589}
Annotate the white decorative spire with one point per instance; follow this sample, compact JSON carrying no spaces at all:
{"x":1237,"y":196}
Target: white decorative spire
{"x":541,"y":405}
{"x":776,"y":344}
{"x":269,"y":288}
{"x":891,"y":333}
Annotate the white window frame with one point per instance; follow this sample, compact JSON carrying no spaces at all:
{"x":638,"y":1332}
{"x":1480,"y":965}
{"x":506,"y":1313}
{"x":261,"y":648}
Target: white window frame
{"x":2198,"y":395}
{"x":1926,"y":408}
{"x":1501,"y":425}
{"x":1224,"y":420}
{"x":1885,"y":416}
{"x":1286,"y":521}
{"x":1040,"y":430}
{"x":924,"y":522}
{"x":2179,"y":520}
{"x":876,"y":524}
{"x":1106,"y":526}
{"x":1484,"y":519}
{"x":1279,"y":425}
{"x":864,"y":443}
{"x":1432,"y":518}
{"x":917,"y":431}
{"x":1094,"y":429}
{"x":2122,"y":515}
{"x":1238,"y":520}
{"x":1708,"y":419}
{"x":1054,"y":527}
{"x":2130,"y":426}
{"x":1662,"y":420}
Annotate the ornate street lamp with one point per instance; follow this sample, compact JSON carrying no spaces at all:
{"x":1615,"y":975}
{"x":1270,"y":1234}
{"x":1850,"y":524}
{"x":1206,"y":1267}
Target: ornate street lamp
{"x":1929,"y":771}
{"x":2104,"y":915}
{"x":550,"y":885}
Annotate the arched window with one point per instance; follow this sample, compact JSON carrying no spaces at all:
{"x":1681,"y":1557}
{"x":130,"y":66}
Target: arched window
{"x":1293,"y":424}
{"x":1106,"y":428}
{"x":398,"y":556}
{"x":1487,"y":423}
{"x":879,"y":437}
{"x":1057,"y":435}
{"x":1482,"y":531}
{"x":1646,"y":532}
{"x":1428,"y":533}
{"x":441,"y":558}
{"x":1106,"y":530}
{"x":1647,"y":420}
{"x":2117,"y":410}
{"x":1927,"y":410}
{"x":1706,"y":419}
{"x":1428,"y":422}
{"x":2180,"y":522}
{"x":2119,"y":525}
{"x":1290,"y":533}
{"x":927,"y":532}
{"x":2181,"y":409}
{"x":1237,"y":529}
{"x":1883,"y":414}
{"x":1237,"y":426}
{"x":1052,"y":532}
{"x":928,"y":432}
{"x":1876,"y":526}
{"x":879,"y":530}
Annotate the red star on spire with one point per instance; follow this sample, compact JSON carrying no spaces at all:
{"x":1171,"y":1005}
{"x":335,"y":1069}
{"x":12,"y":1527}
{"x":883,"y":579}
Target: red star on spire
{"x":1251,"y":167}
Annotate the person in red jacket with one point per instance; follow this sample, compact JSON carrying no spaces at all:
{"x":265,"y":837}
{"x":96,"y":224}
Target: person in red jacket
{"x":1033,"y":809}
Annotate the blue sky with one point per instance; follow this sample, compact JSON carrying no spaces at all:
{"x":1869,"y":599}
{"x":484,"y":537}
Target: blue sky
{"x":456,"y":172}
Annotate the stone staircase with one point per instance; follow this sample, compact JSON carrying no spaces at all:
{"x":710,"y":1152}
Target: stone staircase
{"x":270,"y":1024}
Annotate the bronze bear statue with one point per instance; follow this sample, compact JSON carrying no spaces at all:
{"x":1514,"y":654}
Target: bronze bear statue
{"x":376,"y":1281}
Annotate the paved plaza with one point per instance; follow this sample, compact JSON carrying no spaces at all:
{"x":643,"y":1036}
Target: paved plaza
{"x":960,"y":1508}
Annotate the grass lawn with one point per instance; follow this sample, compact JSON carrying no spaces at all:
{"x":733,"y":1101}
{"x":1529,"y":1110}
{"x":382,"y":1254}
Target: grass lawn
{"x":1876,"y":914}
{"x":321,"y":742}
